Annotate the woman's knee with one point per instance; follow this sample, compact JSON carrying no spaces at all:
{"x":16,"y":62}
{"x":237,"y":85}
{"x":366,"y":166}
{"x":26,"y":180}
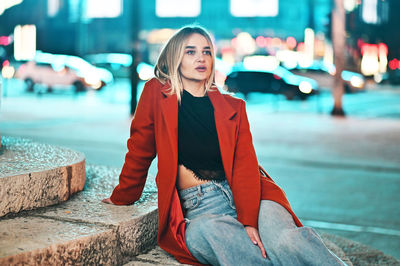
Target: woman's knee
{"x":297,"y":240}
{"x":274,"y":217}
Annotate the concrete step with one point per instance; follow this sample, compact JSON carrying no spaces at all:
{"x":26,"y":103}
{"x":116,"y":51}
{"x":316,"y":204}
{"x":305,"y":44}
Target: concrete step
{"x":82,"y":230}
{"x":34,"y":175}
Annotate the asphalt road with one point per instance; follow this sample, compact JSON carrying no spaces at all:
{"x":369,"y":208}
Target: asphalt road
{"x":340,"y":175}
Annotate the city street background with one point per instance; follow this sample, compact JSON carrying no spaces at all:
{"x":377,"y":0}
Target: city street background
{"x":341,"y":175}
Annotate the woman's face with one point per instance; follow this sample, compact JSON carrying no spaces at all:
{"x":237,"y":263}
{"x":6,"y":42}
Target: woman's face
{"x":197,"y":60}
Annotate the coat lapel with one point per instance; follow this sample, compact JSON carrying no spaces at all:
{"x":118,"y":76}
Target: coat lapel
{"x":169,"y":109}
{"x":226,"y":128}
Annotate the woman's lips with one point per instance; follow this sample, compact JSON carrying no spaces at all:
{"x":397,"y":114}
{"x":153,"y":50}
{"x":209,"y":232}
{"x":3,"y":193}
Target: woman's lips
{"x":201,"y":69}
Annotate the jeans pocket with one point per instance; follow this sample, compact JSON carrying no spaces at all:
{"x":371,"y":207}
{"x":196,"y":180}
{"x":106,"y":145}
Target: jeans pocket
{"x":229,"y":197}
{"x":191,"y":203}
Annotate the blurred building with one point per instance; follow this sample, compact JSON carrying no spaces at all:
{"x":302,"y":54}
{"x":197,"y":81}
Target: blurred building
{"x":84,"y":27}
{"x":373,"y":39}
{"x":78,"y":26}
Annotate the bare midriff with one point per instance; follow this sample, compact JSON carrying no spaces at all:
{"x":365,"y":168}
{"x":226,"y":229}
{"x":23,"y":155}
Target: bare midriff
{"x":187,"y":179}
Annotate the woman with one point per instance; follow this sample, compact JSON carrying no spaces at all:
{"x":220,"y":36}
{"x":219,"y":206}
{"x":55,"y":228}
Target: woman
{"x":215,"y":206}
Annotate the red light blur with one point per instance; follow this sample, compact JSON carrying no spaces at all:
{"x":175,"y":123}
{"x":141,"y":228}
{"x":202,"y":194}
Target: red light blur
{"x":383,"y":48}
{"x":291,"y":42}
{"x":394,"y":63}
{"x":369,"y":48}
{"x":234,"y":42}
{"x":277,"y":77}
{"x":276,"y":42}
{"x":300,"y":47}
{"x":5,"y":40}
{"x":6,"y":63}
{"x":360,"y":43}
{"x":268,"y":41}
{"x":260,"y":40}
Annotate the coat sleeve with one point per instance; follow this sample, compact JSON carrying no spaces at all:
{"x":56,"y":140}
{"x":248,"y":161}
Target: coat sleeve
{"x":141,"y":151}
{"x":246,"y":185}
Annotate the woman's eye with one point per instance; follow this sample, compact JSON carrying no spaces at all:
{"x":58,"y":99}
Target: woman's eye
{"x":207,"y":52}
{"x":190,"y":52}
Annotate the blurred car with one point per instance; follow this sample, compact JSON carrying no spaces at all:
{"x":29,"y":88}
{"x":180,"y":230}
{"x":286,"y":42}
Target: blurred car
{"x":392,"y":76}
{"x":323,"y":73}
{"x":277,"y":81}
{"x":353,"y":82}
{"x":62,"y":71}
{"x":117,"y":63}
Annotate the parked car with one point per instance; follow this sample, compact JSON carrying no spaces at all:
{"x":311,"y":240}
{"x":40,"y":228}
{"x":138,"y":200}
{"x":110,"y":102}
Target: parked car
{"x":62,"y":71}
{"x":392,"y":76}
{"x":277,"y":81}
{"x":323,"y":73}
{"x":117,"y":63}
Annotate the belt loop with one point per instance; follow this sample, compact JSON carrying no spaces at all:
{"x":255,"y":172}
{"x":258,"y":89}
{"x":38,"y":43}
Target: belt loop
{"x":199,"y":190}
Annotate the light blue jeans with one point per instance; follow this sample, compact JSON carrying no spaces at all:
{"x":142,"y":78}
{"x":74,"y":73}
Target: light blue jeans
{"x":214,"y":236}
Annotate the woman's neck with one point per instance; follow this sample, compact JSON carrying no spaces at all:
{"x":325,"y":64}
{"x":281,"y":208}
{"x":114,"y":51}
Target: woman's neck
{"x":195,"y":88}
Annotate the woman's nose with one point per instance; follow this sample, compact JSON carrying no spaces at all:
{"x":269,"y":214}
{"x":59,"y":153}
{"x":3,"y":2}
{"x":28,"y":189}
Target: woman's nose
{"x":200,"y":58}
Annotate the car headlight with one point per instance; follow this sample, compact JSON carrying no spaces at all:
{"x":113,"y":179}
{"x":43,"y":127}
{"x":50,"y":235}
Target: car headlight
{"x":305,"y":87}
{"x":357,"y":82}
{"x":8,"y":72}
{"x":93,"y":82}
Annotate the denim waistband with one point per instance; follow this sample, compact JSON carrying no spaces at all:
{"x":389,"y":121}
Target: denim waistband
{"x":202,"y":188}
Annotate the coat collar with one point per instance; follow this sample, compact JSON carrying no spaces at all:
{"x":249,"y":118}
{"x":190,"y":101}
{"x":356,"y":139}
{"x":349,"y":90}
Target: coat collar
{"x":221,"y":106}
{"x":223,"y":113}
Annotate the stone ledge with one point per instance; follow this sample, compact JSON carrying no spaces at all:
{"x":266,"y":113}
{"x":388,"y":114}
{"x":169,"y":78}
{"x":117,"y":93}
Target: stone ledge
{"x":38,"y":241}
{"x":82,"y":230}
{"x":34,"y":175}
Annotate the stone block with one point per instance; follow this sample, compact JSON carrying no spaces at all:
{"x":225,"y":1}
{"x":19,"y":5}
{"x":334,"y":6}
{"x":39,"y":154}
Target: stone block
{"x":34,"y":175}
{"x":74,"y":231}
{"x":135,"y":225}
{"x":34,"y":240}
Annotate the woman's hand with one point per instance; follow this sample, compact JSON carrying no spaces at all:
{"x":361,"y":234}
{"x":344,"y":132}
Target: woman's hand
{"x":255,"y":239}
{"x":108,"y":201}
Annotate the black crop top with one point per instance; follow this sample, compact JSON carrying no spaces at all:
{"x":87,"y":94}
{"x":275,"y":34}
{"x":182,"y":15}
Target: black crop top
{"x":198,"y":146}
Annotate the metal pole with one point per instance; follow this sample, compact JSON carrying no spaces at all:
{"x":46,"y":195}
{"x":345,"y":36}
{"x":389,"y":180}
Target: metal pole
{"x":135,"y":51}
{"x":339,"y":43}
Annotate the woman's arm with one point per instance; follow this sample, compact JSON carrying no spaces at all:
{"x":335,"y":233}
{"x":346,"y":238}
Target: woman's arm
{"x":141,"y":151}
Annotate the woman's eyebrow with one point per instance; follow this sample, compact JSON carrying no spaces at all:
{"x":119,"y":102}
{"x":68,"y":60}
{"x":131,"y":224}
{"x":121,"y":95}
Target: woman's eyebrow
{"x":193,"y":47}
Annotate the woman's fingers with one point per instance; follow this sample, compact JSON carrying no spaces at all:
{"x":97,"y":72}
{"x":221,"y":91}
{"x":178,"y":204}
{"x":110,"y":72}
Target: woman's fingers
{"x":255,"y":239}
{"x":261,"y":246}
{"x":107,"y":200}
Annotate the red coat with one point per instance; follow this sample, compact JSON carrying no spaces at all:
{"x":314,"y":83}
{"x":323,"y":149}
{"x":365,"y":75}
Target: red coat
{"x":155,"y":130}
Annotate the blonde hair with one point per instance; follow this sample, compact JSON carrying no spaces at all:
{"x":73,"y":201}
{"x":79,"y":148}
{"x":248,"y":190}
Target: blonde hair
{"x":170,"y":58}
